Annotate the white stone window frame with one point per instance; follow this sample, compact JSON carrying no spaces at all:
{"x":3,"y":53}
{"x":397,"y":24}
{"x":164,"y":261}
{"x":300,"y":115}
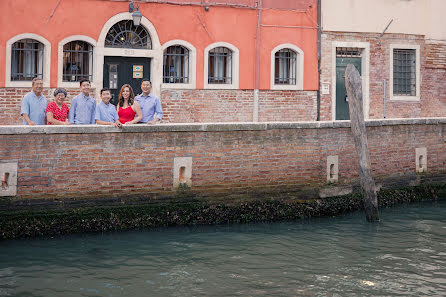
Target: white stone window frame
{"x":365,"y":67}
{"x":192,"y":65}
{"x":74,"y":85}
{"x":416,"y":47}
{"x":299,"y":68}
{"x":46,"y":61}
{"x":156,"y":53}
{"x":235,"y":66}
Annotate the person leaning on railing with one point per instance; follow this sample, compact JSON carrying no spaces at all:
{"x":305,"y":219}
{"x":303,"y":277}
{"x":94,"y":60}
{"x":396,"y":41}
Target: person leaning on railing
{"x":106,"y":113}
{"x":57,"y":111}
{"x":151,"y":109}
{"x":128,"y":110}
{"x":34,"y":104}
{"x":83,"y":106}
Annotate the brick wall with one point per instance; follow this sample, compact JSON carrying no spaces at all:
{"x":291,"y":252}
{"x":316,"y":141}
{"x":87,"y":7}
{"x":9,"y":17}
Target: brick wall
{"x":433,"y":71}
{"x":435,"y":55}
{"x":188,"y":106}
{"x":11,"y":98}
{"x":191,"y":106}
{"x":434,"y":78}
{"x":278,"y":106}
{"x":228,"y":159}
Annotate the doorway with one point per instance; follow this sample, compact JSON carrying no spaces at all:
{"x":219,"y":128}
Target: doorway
{"x":123,"y":70}
{"x":344,"y":56}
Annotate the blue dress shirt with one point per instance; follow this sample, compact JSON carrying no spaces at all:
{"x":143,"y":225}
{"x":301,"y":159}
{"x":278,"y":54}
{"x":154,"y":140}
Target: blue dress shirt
{"x":149,"y":106}
{"x":82,"y":110}
{"x":106,"y":112}
{"x":35,"y":108}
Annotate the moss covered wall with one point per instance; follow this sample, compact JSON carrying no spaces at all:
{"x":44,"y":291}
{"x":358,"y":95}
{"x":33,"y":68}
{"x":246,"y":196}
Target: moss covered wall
{"x":14,"y":224}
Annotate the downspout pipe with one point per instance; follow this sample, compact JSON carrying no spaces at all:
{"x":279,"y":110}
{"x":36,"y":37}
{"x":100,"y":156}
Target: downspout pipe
{"x":255,"y":114}
{"x":319,"y":36}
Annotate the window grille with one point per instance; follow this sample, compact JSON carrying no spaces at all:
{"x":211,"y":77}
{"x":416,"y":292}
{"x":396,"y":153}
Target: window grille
{"x":77,"y":61}
{"x":125,"y":34}
{"x":285,"y":67}
{"x":27,"y":60}
{"x":348,"y":52}
{"x":220,"y":66}
{"x":176,"y":65}
{"x":404,"y":72}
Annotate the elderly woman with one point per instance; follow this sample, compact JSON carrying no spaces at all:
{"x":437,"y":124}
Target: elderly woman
{"x":57,"y":111}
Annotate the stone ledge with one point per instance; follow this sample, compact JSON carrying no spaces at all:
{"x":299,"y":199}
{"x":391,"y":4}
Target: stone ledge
{"x":207,"y":127}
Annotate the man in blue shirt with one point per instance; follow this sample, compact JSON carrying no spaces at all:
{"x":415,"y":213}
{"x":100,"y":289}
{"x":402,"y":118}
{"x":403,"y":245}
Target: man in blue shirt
{"x":105,"y":111}
{"x":33,"y":108}
{"x":82,"y":110}
{"x":150,"y":104}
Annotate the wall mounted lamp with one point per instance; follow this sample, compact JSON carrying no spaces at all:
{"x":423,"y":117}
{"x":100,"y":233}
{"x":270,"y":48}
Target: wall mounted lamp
{"x":136,"y":15}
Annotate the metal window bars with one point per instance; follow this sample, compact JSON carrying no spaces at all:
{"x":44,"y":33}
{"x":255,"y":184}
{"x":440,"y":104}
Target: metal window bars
{"x":27,"y":60}
{"x":176,"y":65}
{"x":285,"y":67}
{"x":348,"y":52}
{"x":125,"y":34}
{"x":220,"y":66}
{"x":77,"y":61}
{"x":404,"y":72}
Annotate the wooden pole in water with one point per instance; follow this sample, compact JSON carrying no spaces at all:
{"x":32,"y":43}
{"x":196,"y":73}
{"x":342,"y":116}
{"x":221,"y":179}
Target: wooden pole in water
{"x":353,"y":84}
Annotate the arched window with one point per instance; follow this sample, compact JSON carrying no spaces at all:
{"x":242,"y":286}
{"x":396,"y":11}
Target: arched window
{"x":26,"y":60}
{"x":176,"y":65}
{"x":77,"y":61}
{"x":285,"y":67}
{"x":220,"y":66}
{"x":125,"y":34}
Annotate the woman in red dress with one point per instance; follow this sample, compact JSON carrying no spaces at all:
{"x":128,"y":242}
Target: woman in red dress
{"x":57,"y":111}
{"x":129,"y":111}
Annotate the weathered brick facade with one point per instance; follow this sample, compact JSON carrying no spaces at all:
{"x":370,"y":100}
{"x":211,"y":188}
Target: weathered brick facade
{"x":189,"y":106}
{"x":227,"y":159}
{"x":432,"y":101}
{"x":434,"y":78}
{"x":198,"y":106}
{"x":11,"y":98}
{"x":237,"y":106}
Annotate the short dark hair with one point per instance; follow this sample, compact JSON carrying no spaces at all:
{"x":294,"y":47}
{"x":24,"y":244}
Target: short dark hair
{"x":36,"y":79}
{"x":146,"y":79}
{"x":84,"y":80}
{"x":105,"y":90}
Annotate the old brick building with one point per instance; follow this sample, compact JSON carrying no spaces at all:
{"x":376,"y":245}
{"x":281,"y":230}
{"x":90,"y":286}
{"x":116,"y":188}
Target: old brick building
{"x":232,"y":60}
{"x":398,"y":46}
{"x":209,"y":61}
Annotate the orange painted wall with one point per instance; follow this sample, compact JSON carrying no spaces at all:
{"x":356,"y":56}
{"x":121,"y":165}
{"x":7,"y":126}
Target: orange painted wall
{"x":233,"y":25}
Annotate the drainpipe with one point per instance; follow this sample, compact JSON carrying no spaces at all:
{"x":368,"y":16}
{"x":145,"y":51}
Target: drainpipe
{"x":319,"y":34}
{"x":255,"y":113}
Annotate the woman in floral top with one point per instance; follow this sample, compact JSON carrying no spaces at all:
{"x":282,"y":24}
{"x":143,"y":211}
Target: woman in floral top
{"x":57,"y":111}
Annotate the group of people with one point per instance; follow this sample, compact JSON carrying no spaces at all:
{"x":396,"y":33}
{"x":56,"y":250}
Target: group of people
{"x":144,"y":108}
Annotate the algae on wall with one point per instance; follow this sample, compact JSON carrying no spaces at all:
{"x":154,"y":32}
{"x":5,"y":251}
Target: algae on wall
{"x":56,"y":222}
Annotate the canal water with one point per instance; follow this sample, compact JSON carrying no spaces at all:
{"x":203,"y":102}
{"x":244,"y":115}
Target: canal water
{"x":403,"y":255}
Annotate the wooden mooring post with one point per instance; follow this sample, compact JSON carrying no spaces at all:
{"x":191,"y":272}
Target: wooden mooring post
{"x":353,"y":84}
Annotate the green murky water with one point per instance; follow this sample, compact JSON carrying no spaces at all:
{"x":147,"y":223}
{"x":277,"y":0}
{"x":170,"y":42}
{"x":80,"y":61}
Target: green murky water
{"x":403,"y":255}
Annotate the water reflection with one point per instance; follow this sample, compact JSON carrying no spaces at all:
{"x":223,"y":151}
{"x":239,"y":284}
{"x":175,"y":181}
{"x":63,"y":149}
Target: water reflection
{"x":402,"y":255}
